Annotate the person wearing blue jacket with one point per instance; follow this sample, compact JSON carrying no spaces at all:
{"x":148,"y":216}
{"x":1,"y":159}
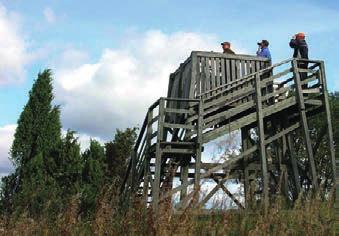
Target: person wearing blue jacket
{"x":263,"y":50}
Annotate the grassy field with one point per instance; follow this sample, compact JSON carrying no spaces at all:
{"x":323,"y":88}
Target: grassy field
{"x":307,"y":217}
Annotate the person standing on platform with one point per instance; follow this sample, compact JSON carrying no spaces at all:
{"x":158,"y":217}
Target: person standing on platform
{"x":298,"y":43}
{"x":226,"y":46}
{"x":263,"y":50}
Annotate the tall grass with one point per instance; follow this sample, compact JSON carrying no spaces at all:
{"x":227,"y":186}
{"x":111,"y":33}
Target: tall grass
{"x":308,"y":216}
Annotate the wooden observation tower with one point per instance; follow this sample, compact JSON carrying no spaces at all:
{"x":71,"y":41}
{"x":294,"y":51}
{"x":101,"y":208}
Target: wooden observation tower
{"x":272,"y":107}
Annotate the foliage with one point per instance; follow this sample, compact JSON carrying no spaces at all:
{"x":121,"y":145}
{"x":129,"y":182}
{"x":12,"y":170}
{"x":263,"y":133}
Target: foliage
{"x":68,"y":165}
{"x":310,"y":216}
{"x":39,"y":126}
{"x":118,"y":151}
{"x":334,"y":98}
{"x":37,"y":135}
{"x":92,"y":176}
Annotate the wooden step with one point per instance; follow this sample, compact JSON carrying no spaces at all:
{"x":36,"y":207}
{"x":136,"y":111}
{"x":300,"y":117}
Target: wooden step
{"x":311,"y":90}
{"x":181,"y":143}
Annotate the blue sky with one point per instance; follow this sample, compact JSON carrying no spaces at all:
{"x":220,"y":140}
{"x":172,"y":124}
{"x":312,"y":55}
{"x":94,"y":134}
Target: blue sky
{"x":111,"y":59}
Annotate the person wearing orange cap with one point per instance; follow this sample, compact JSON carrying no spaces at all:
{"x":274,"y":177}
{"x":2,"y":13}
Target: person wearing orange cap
{"x":298,"y":43}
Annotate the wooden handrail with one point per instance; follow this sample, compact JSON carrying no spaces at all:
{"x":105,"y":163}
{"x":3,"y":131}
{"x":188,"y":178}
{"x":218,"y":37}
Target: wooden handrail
{"x":229,"y":56}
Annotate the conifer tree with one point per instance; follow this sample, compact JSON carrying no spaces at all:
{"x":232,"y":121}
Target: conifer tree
{"x":38,"y":133}
{"x":69,"y":165}
{"x":118,"y":151}
{"x":93,"y":177}
{"x":39,"y":126}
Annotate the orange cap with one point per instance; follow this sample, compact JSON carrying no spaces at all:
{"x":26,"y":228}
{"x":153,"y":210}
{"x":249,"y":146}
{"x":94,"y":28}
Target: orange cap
{"x":300,"y":35}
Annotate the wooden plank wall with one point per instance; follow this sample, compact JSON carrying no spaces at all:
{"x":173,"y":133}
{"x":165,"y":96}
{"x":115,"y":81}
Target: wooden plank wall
{"x":217,"y":69}
{"x":179,"y":85}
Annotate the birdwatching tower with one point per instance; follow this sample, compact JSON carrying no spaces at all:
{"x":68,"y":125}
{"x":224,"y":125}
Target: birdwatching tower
{"x":210,"y":95}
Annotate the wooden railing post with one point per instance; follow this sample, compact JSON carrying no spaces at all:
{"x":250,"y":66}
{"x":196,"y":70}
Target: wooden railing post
{"x":302,"y":111}
{"x":147,"y":156}
{"x":199,"y":146}
{"x":262,"y":147}
{"x":158,"y":154}
{"x":329,"y":120}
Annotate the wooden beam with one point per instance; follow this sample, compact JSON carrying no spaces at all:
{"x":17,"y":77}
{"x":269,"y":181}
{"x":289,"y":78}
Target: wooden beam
{"x":282,"y":133}
{"x":199,"y":146}
{"x":208,"y":196}
{"x":262,"y":147}
{"x":225,"y":165}
{"x":304,"y":123}
{"x":245,"y":140}
{"x":235,"y":200}
{"x":156,"y":185}
{"x":247,"y":120}
{"x":328,"y":118}
{"x":293,"y":157}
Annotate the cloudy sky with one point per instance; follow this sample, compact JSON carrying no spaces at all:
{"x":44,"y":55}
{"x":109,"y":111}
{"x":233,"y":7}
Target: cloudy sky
{"x":111,"y":59}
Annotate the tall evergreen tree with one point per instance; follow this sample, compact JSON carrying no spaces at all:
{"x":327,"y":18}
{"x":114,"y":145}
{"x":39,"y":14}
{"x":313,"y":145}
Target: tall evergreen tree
{"x":39,"y":126}
{"x":38,"y":133}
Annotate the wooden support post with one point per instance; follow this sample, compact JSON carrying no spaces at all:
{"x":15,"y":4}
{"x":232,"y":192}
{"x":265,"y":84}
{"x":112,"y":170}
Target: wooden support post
{"x":262,"y":147}
{"x":245,"y":145}
{"x":294,"y":163}
{"x":158,"y":154}
{"x":194,"y":76}
{"x":147,"y":154}
{"x":146,"y":179}
{"x":302,"y":111}
{"x":184,"y":180}
{"x":329,"y":121}
{"x":285,"y":142}
{"x":283,"y":169}
{"x":247,"y":188}
{"x":133,"y":174}
{"x":198,"y":146}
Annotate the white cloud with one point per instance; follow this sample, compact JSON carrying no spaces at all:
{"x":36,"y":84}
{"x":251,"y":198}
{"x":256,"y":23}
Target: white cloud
{"x":72,"y":58}
{"x":6,"y":138}
{"x":115,"y":91}
{"x":13,"y":49}
{"x":49,"y":15}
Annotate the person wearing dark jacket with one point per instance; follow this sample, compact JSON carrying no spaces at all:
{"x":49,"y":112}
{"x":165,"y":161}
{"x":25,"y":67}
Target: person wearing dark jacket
{"x":226,"y":47}
{"x":298,"y":43}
